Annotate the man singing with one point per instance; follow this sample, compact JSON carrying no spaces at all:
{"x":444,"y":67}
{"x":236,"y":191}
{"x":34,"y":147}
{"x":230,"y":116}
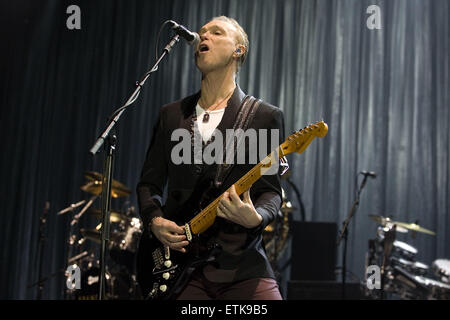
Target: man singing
{"x":241,"y":270}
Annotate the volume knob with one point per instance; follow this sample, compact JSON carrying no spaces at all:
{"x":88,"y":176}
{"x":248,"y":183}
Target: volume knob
{"x":166,"y":275}
{"x":163,"y":288}
{"x":167,"y":263}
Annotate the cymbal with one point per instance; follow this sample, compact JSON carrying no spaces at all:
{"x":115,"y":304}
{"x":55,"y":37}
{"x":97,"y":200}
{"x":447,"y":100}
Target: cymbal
{"x":113,"y":217}
{"x":385,"y":221}
{"x":94,"y":185}
{"x":408,"y":226}
{"x":415,"y":227}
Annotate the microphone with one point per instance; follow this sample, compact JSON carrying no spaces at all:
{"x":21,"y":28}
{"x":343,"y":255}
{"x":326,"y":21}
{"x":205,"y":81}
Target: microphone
{"x":191,"y":37}
{"x":369,"y":173}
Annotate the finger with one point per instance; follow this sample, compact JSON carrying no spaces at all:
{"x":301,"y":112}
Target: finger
{"x":247,"y":198}
{"x":220,"y":213}
{"x":227,"y":210}
{"x":181,"y":250}
{"x":226,"y":196}
{"x":233,"y":194}
{"x":173,"y":227}
{"x":164,"y":241}
{"x":177,"y":248}
{"x":175,"y":238}
{"x":178,"y":245}
{"x":222,"y":205}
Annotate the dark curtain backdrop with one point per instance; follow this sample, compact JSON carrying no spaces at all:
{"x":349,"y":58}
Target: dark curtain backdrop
{"x":384,"y":94}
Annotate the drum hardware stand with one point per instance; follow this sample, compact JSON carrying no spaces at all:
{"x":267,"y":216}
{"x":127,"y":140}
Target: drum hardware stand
{"x":71,"y":207}
{"x":388,"y":241}
{"x":42,"y":240}
{"x":72,"y":223}
{"x":344,"y":234}
{"x":109,"y":160}
{"x":77,"y":217}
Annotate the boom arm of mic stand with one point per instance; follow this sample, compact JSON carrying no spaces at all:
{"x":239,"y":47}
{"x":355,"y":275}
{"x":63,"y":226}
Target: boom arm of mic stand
{"x":116,"y":115}
{"x":109,"y":163}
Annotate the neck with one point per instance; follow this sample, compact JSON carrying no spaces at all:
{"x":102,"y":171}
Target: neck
{"x":217,"y":87}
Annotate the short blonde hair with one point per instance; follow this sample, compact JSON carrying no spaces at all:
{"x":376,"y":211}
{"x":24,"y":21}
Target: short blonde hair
{"x":242,"y":38}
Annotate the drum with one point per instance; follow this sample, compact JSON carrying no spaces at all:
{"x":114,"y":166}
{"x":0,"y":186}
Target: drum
{"x":123,"y":241}
{"x":441,"y":268}
{"x":414,"y":267}
{"x":125,"y":244}
{"x":404,"y":250}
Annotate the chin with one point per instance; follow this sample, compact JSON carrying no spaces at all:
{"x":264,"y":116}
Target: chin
{"x":205,"y":68}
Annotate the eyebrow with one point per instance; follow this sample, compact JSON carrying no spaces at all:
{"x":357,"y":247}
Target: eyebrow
{"x":214,"y":26}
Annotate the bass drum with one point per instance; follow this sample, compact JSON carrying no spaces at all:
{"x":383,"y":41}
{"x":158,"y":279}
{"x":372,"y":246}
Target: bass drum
{"x":119,"y":285}
{"x":90,"y":284}
{"x":276,"y":234}
{"x":123,"y":247}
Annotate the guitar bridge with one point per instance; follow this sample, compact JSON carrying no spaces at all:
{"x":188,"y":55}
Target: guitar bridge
{"x":158,"y":258}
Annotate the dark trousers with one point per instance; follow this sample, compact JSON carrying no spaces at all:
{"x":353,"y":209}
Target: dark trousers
{"x":199,"y":288}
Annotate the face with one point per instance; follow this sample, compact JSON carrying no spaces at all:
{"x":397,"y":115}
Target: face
{"x":216,"y":50}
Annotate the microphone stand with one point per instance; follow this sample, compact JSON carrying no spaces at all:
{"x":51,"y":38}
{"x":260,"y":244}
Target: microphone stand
{"x":344,"y":234}
{"x":110,"y":148}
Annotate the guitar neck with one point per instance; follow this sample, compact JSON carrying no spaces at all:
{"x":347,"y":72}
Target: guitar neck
{"x":206,"y":217}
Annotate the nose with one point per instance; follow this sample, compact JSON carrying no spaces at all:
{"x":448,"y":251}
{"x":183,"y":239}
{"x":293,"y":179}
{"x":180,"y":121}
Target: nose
{"x":203,"y":36}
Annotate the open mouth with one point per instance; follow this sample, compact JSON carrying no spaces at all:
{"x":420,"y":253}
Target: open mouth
{"x":203,"y":48}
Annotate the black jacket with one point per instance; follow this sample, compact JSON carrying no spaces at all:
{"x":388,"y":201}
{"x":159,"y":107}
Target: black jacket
{"x":243,"y":256}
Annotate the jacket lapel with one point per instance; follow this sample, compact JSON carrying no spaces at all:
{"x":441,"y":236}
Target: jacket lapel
{"x":231,"y":111}
{"x":187,"y":110}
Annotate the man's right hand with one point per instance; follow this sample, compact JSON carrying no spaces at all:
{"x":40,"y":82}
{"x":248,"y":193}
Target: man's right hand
{"x":169,"y":233}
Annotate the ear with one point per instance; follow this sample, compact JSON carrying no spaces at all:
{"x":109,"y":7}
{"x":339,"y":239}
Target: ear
{"x":239,"y":51}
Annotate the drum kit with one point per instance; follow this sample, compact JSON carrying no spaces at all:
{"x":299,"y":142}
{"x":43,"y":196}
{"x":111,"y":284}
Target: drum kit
{"x":84,"y":245}
{"x":402,"y":276}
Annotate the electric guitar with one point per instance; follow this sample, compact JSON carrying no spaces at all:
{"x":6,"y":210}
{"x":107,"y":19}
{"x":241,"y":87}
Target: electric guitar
{"x":163,"y":273}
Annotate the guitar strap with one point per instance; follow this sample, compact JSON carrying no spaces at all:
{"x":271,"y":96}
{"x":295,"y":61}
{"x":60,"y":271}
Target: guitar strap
{"x":247,"y":110}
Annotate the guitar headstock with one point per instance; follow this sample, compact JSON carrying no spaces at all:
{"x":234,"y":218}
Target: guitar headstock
{"x":299,"y":140}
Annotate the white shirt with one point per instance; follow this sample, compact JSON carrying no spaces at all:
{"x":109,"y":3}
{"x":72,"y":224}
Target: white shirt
{"x":207,"y":129}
